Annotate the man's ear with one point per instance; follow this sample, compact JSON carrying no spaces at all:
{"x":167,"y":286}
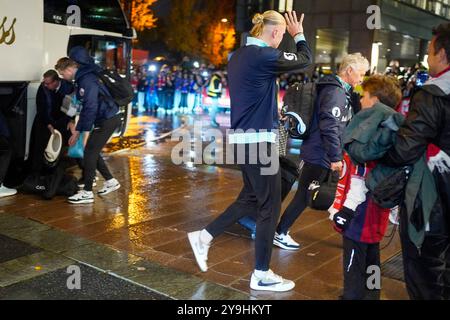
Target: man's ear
{"x":274,"y":33}
{"x":443,"y":56}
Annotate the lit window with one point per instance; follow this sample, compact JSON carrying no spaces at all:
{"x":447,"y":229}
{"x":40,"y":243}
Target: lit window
{"x":285,"y":5}
{"x":282,"y":6}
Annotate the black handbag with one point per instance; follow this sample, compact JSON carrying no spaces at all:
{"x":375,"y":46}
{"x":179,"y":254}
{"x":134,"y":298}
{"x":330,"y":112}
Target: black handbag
{"x":321,"y":195}
{"x":390,"y":192}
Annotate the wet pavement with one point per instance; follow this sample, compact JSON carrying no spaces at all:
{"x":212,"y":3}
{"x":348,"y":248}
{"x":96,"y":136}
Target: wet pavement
{"x":139,"y":233}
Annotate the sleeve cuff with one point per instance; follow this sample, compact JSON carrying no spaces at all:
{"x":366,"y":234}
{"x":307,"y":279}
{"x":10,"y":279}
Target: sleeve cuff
{"x":299,"y":37}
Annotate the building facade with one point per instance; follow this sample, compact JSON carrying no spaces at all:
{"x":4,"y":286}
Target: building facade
{"x":382,"y":30}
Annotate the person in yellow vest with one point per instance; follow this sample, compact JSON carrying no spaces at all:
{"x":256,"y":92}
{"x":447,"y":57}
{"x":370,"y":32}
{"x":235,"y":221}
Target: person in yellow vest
{"x":215,"y":92}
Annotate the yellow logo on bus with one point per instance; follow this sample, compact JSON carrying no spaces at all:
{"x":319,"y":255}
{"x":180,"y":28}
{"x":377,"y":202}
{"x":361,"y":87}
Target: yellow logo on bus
{"x":7,"y":36}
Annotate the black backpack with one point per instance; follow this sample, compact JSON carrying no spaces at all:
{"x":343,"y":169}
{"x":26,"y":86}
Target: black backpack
{"x":299,"y":99}
{"x":119,"y":88}
{"x":54,"y":184}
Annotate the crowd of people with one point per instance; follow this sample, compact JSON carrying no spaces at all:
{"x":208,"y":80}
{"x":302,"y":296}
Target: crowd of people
{"x":179,"y":89}
{"x":386,"y":153}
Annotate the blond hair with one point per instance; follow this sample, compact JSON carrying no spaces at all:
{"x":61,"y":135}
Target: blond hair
{"x":270,"y":17}
{"x":65,"y":63}
{"x":356,"y":61}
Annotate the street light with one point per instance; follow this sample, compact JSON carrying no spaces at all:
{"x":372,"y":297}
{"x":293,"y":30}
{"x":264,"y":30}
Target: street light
{"x":224,"y":20}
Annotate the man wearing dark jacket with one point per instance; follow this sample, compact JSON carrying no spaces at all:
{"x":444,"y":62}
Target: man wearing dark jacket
{"x":426,"y":131}
{"x":49,"y":116}
{"x":99,"y":114}
{"x":321,"y":152}
{"x":252,"y":73}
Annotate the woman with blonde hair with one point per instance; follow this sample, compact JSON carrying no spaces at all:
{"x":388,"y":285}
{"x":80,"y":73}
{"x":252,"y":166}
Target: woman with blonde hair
{"x":252,"y":74}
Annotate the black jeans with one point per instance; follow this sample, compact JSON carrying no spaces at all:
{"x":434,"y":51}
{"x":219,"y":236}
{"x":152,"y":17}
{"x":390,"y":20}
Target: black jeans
{"x":358,"y":257}
{"x":427,"y":272}
{"x":92,"y":158}
{"x":309,"y":173}
{"x":260,"y":194}
{"x":5,"y":157}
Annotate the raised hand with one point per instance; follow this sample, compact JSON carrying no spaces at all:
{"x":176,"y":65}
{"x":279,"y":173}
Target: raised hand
{"x":294,"y":26}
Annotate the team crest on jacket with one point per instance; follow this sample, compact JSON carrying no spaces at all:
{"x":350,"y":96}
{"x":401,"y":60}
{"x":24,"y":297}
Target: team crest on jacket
{"x":290,"y":56}
{"x":336,"y":112}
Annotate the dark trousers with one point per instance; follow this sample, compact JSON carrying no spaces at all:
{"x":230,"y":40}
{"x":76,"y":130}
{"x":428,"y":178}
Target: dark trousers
{"x":162,"y":98}
{"x":5,"y":157}
{"x":183,"y":103}
{"x":309,"y":173}
{"x":358,"y":257}
{"x":92,"y":158}
{"x":427,"y":272}
{"x":260,"y":194}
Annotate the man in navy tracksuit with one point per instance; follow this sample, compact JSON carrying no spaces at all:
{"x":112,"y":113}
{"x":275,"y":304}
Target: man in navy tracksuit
{"x":252,"y":73}
{"x":321,"y":152}
{"x":99,"y":114}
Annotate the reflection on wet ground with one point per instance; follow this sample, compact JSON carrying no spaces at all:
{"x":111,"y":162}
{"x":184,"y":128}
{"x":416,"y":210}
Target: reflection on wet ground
{"x":160,"y":202}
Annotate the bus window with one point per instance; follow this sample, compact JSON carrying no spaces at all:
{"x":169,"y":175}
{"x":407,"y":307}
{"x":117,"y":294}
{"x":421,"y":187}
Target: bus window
{"x":105,"y":15}
{"x":112,"y":55}
{"x":108,"y":52}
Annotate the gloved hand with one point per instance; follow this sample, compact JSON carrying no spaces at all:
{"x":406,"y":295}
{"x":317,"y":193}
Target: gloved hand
{"x":343,"y":218}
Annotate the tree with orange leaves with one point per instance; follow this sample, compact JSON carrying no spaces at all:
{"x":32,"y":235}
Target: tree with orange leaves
{"x":196,"y":28}
{"x":142,"y":16}
{"x":219,"y":42}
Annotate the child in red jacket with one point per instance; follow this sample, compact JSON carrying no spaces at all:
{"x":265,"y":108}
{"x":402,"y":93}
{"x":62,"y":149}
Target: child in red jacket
{"x":360,"y":220}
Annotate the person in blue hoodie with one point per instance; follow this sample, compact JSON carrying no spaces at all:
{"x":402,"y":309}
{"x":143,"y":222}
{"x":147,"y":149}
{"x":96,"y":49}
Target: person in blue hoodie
{"x":252,"y":73}
{"x":99,"y":115}
{"x":321,"y":152}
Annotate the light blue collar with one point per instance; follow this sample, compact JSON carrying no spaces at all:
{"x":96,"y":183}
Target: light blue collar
{"x":256,"y":42}
{"x":346,"y":86}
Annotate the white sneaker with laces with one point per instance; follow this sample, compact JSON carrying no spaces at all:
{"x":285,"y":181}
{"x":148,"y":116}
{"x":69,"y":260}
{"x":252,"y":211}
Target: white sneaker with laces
{"x":6,"y":192}
{"x":109,"y":186}
{"x":271,"y":282}
{"x":285,"y":241}
{"x":82,"y":197}
{"x":200,"y":250}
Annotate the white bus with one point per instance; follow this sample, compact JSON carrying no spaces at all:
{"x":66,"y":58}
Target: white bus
{"x":34,"y":34}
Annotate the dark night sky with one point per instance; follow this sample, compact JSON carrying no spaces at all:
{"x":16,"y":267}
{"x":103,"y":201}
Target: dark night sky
{"x":162,"y":8}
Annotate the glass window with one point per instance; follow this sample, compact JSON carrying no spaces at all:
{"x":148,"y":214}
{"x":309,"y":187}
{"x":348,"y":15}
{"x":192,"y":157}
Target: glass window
{"x":108,"y":52}
{"x":106,"y":15}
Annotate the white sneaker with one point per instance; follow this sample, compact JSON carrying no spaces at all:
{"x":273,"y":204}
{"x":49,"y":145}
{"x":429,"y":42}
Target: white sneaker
{"x":200,"y":250}
{"x":82,"y":197}
{"x":109,"y":186}
{"x":285,"y":241}
{"x":6,"y":192}
{"x":271,"y":282}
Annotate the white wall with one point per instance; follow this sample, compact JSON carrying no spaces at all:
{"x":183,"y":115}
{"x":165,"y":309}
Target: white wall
{"x":22,"y":60}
